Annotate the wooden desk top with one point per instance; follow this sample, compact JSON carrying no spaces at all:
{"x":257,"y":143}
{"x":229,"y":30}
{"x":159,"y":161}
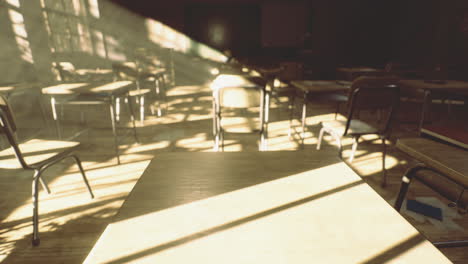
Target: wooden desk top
{"x":152,"y":72}
{"x":10,"y":88}
{"x":104,"y":89}
{"x":234,"y":80}
{"x":451,"y":161}
{"x":358,"y":69}
{"x":93,"y":71}
{"x":258,"y":207}
{"x":449,"y":85}
{"x":324,"y":86}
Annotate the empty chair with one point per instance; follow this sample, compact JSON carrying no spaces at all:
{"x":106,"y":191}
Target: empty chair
{"x":441,"y":167}
{"x":239,"y":92}
{"x":380,"y":94}
{"x":36,"y":155}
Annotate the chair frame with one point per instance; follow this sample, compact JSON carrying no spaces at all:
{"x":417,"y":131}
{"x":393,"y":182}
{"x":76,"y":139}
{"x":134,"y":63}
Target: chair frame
{"x":218,"y":130}
{"x":8,"y":127}
{"x":382,"y":133}
{"x":407,"y":178}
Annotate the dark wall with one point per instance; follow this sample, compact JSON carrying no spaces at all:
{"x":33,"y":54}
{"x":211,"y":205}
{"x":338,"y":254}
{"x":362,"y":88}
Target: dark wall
{"x":234,"y":27}
{"x":359,"y":32}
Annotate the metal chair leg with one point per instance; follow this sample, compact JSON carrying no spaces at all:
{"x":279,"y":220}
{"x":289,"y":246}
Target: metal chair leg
{"x":114,"y":131}
{"x":117,"y":109}
{"x":291,"y":114}
{"x":55,"y":116}
{"x":164,"y":96}
{"x":35,"y":196}
{"x":353,"y":149}
{"x":142,"y":109}
{"x":304,"y":110}
{"x":85,"y":179}
{"x":132,"y":116}
{"x":222,"y":140}
{"x":384,"y":171}
{"x":216,"y":143}
{"x":264,"y":136}
{"x":405,"y":182}
{"x":340,"y":145}
{"x":319,"y":141}
{"x":337,"y":109}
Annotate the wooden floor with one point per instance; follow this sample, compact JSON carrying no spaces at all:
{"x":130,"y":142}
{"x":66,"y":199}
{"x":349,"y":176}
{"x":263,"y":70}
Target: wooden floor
{"x":71,"y":222}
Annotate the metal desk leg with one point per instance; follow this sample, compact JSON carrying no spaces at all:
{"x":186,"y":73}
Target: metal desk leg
{"x":425,"y":108}
{"x":267,"y":115}
{"x":157,"y":86}
{"x":117,"y":109}
{"x":114,"y":131}
{"x":216,"y":121}
{"x":292,"y":102}
{"x":262,"y":119}
{"x":142,"y":110}
{"x":384,"y":170}
{"x":304,"y":110}
{"x":215,"y":126}
{"x":54,"y":115}
{"x":132,"y":115}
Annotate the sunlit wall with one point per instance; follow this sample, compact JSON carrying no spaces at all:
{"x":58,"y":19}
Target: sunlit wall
{"x":87,"y":33}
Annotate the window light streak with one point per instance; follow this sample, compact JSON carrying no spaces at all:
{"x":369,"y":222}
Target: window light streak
{"x":20,"y":30}
{"x":113,"y":50}
{"x":94,"y":8}
{"x":25,"y":49}
{"x":85,"y":39}
{"x":365,"y":164}
{"x":77,"y":9}
{"x":111,"y":86}
{"x":99,"y":46}
{"x":167,"y":37}
{"x":18,"y":27}
{"x":14,"y":3}
{"x":15,"y":16}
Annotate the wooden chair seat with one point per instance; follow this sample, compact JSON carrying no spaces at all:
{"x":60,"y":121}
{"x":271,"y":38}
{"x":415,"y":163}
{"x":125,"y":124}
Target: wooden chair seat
{"x":356,"y":127}
{"x":36,"y":152}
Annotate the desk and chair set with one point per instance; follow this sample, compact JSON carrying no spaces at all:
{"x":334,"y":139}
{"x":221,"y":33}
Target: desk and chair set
{"x":78,"y":88}
{"x":375,"y":94}
{"x":439,"y":163}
